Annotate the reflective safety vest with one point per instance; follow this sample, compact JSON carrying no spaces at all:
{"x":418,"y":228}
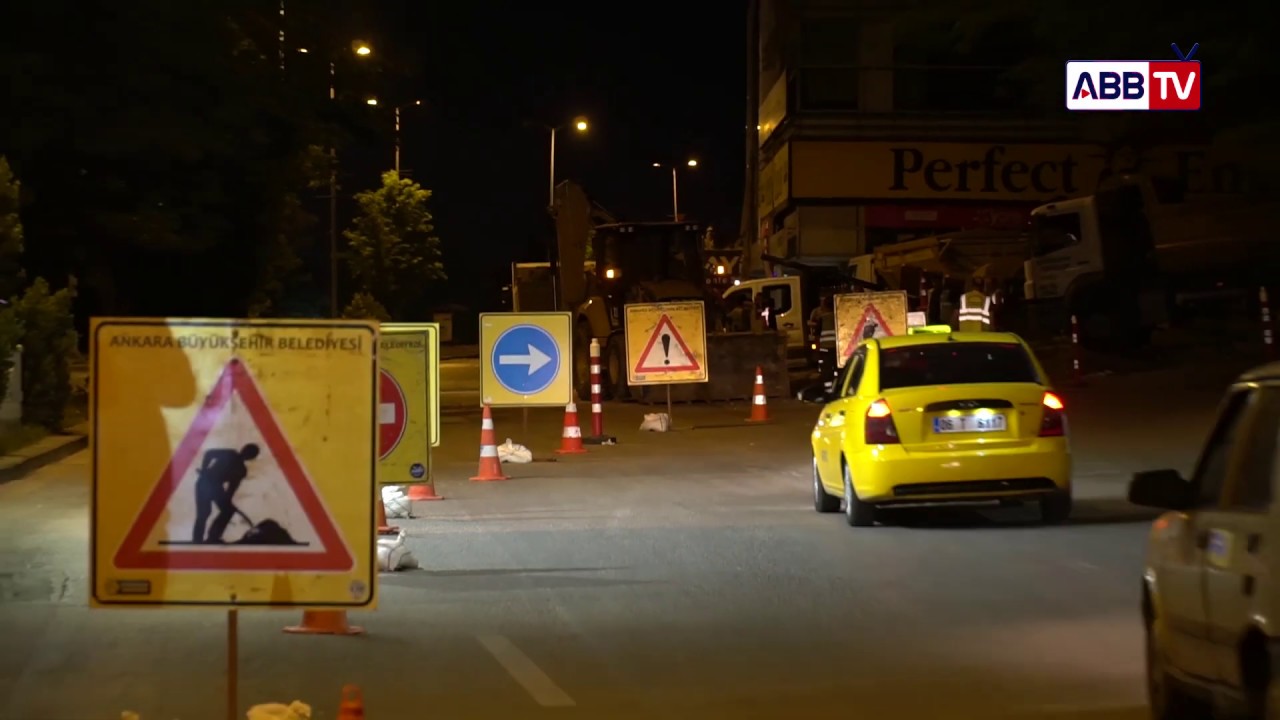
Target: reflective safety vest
{"x":975,"y":312}
{"x":827,"y":338}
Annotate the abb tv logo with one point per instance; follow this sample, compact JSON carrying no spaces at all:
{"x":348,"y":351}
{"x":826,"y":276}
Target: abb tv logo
{"x":1135,"y":85}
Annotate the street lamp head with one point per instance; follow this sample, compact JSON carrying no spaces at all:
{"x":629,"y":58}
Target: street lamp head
{"x":580,"y":124}
{"x":417,"y":102}
{"x":303,"y":50}
{"x":371,"y":101}
{"x":361,"y":49}
{"x":657,"y":164}
{"x":693,"y":163}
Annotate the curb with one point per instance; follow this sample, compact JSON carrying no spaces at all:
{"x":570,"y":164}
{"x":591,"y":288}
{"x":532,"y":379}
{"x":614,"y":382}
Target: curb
{"x":19,"y":470}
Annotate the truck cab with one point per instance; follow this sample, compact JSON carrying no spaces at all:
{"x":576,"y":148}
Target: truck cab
{"x":786,"y":292}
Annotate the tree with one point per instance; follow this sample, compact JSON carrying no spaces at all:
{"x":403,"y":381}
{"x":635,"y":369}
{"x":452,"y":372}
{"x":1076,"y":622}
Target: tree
{"x":366,"y":307}
{"x":394,"y":255}
{"x":11,"y":243}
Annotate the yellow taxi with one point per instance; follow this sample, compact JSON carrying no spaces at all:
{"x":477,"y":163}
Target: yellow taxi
{"x":941,"y":417}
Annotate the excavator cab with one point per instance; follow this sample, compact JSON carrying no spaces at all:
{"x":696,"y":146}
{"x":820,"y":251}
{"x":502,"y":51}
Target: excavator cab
{"x":649,"y":262}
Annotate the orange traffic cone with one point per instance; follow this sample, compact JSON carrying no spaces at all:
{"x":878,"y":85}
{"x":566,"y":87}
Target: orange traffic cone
{"x":352,"y":705}
{"x":426,"y":491}
{"x":490,"y":466}
{"x":571,"y":438}
{"x":759,"y":406}
{"x":380,"y":518}
{"x":324,"y":622}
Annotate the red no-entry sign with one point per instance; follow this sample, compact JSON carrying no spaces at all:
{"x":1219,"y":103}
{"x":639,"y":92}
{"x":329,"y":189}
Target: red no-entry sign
{"x":393,"y":412}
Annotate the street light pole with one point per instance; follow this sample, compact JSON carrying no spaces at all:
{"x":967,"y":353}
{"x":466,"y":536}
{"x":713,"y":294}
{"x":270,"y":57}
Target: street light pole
{"x":397,"y":141}
{"x":675,"y":195}
{"x":551,"y":197}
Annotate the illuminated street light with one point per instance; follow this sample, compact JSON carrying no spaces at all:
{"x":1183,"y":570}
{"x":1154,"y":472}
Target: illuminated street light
{"x":580,"y":124}
{"x":362,"y":49}
{"x":675,"y":187}
{"x":302,"y":50}
{"x":692,"y":163}
{"x":371,"y":101}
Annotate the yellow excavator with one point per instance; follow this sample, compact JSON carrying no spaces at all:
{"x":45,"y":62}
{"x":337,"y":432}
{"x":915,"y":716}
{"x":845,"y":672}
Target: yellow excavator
{"x":646,"y":262}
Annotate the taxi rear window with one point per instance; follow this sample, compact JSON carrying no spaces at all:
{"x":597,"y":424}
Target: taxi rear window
{"x":955,"y":363}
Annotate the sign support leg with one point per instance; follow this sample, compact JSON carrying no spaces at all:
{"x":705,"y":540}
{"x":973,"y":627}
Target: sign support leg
{"x":233,"y":663}
{"x":524,"y":424}
{"x":669,"y":418}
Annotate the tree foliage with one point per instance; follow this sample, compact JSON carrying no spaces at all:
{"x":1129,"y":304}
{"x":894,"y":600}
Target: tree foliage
{"x":394,"y":254}
{"x":48,"y":343}
{"x":366,"y":307}
{"x":11,"y":242}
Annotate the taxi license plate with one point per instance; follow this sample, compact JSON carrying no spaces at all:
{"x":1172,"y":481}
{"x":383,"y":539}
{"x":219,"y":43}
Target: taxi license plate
{"x":970,"y":423}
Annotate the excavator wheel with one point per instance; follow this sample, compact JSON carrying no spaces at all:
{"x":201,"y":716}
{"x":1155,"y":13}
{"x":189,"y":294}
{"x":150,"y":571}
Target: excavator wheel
{"x":615,"y":369}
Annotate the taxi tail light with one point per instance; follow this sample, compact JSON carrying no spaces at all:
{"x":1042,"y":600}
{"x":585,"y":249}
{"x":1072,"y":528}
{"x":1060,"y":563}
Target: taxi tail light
{"x":1054,"y":421}
{"x":880,"y":429}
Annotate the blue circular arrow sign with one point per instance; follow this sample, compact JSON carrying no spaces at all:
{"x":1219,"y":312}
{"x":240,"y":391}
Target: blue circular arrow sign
{"x":525,"y":359}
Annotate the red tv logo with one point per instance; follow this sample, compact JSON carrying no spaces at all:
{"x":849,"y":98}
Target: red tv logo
{"x":1135,"y":85}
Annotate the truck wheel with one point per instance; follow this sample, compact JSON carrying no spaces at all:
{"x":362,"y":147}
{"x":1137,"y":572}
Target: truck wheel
{"x":615,"y":369}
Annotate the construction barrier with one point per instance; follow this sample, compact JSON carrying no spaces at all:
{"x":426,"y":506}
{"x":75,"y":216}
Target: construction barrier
{"x":732,"y":359}
{"x":571,"y":437}
{"x":597,"y":402}
{"x":490,"y":466}
{"x":759,"y":404}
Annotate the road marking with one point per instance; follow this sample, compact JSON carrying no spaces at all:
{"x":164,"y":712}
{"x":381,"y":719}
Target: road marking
{"x":541,"y":688}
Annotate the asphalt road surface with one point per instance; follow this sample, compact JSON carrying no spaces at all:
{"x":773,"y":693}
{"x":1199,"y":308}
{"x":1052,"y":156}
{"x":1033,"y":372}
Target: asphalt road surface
{"x":683,"y":575}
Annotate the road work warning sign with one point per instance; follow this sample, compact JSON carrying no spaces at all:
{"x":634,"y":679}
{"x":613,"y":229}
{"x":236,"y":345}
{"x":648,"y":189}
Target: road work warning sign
{"x":666,"y":343}
{"x":222,"y":474}
{"x":865,"y":315}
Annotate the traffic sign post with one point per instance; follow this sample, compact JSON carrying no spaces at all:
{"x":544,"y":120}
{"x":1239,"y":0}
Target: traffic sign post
{"x":220,"y":476}
{"x":666,"y":344}
{"x":404,"y":435}
{"x":433,"y":369}
{"x":526,"y":359}
{"x":864,"y":315}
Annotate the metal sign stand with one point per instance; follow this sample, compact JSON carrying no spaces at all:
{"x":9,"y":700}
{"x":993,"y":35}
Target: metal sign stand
{"x":233,"y":662}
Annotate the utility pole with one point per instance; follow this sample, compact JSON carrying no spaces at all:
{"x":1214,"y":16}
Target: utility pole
{"x":333,"y":209}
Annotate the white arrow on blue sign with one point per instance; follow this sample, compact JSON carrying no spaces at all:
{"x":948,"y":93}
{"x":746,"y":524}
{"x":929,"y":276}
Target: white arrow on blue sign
{"x":526,"y":359}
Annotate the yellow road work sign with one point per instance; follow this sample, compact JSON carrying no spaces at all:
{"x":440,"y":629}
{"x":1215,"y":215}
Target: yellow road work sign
{"x":433,"y":369}
{"x":666,"y":343}
{"x":233,"y":462}
{"x":864,"y":315}
{"x":526,"y":359}
{"x":404,"y":433}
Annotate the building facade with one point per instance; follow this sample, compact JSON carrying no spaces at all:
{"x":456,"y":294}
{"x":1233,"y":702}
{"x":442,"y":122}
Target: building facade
{"x":866,"y":134}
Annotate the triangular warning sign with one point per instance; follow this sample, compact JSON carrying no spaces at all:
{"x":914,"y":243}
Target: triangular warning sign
{"x":234,"y":497}
{"x":870,"y":325}
{"x":666,"y":351}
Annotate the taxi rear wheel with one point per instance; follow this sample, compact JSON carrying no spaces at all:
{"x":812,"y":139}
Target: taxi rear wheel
{"x":856,"y":512}
{"x":822,"y":501}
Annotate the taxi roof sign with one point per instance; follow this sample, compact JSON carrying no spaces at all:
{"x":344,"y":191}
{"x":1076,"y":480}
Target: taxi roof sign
{"x":930,"y":330}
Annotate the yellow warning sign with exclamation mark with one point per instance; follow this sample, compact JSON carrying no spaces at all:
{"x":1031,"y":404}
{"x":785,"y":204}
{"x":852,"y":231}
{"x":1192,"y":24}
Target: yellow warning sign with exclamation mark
{"x":666,"y":343}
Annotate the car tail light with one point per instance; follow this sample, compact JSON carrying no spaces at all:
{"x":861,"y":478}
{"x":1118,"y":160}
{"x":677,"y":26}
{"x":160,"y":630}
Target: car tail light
{"x":880,"y":428}
{"x":1054,"y":423}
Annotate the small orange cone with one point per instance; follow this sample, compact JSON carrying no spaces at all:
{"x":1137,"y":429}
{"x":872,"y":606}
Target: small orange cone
{"x":490,"y":466}
{"x":381,"y":516}
{"x":352,"y":705}
{"x":571,"y":438}
{"x":324,"y":622}
{"x":759,"y":406}
{"x":426,"y":491}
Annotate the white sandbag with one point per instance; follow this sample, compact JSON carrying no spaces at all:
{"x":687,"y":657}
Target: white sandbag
{"x":295,"y":710}
{"x":396,"y":501}
{"x":511,"y":452}
{"x":393,"y":553}
{"x":656,"y":422}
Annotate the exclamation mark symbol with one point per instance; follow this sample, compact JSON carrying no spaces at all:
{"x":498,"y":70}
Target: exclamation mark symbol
{"x":666,"y":348}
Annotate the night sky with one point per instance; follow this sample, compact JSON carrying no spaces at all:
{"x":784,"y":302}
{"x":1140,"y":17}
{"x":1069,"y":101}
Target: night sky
{"x":661,"y":85}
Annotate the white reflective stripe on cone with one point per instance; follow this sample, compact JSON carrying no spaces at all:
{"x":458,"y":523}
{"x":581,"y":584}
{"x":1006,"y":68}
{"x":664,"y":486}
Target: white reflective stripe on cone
{"x":758,"y":400}
{"x":595,"y":388}
{"x":571,"y":408}
{"x":486,"y":424}
{"x":597,"y":408}
{"x":488,"y":451}
{"x":573,"y":431}
{"x":759,"y":380}
{"x":595,"y":368}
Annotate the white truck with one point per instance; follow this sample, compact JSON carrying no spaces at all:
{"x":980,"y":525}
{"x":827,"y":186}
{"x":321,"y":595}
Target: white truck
{"x":1119,"y":259}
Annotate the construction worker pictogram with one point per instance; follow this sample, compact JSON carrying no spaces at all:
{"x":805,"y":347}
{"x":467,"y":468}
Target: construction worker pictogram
{"x":234,"y":496}
{"x":666,"y":351}
{"x":871,"y":325}
{"x":861,"y":316}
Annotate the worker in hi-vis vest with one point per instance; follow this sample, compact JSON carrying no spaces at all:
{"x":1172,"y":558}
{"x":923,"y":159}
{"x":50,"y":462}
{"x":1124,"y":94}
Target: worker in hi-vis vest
{"x":975,"y":310}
